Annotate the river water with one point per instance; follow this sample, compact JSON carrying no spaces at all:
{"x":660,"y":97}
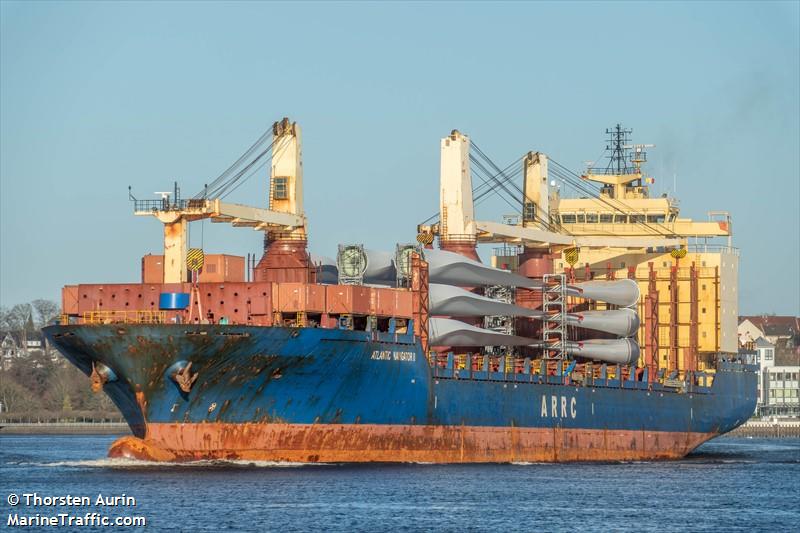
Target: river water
{"x":728,"y":484}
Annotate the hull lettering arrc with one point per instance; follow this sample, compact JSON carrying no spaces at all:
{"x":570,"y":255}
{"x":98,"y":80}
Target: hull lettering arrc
{"x":560,"y":406}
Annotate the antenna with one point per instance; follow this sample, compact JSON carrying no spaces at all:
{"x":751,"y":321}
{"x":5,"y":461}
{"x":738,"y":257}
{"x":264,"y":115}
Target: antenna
{"x":638,"y":154}
{"x":617,"y":139}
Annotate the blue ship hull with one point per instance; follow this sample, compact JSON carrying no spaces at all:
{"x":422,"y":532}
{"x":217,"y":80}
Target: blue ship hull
{"x":312,"y":394}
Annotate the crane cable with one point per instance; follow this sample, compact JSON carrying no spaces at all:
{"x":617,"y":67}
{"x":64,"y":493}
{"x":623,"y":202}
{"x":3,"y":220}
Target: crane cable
{"x":548,"y":224}
{"x":506,"y":178}
{"x":483,"y":189}
{"x":221,"y":189}
{"x":492,"y":164}
{"x":252,"y":173}
{"x":480,"y":169}
{"x":227,"y":173}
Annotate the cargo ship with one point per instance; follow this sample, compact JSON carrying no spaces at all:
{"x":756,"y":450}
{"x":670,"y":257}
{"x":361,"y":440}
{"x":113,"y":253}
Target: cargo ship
{"x":424,"y":353}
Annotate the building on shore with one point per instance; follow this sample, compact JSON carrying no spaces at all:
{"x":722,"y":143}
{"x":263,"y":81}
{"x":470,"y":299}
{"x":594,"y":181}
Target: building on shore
{"x":783,"y":331}
{"x":765,"y":359}
{"x":17,"y":346}
{"x":781,"y":390}
{"x":773,"y":343}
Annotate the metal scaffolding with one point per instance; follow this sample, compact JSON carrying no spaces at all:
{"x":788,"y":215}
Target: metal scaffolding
{"x":554,"y":332}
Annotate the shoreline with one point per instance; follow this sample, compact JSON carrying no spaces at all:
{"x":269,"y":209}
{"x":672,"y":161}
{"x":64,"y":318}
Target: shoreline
{"x":776,"y":430}
{"x":65,"y":428}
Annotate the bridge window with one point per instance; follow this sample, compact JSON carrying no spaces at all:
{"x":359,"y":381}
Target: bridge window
{"x":591,"y":218}
{"x":606,"y":218}
{"x":581,"y":218}
{"x":637,"y":218}
{"x":567,"y":219}
{"x":621,"y":219}
{"x":656,"y":218}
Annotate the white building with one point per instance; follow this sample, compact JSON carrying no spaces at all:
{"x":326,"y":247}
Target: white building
{"x":15,"y":346}
{"x":9,"y":351}
{"x":781,"y":388}
{"x":765,"y":359}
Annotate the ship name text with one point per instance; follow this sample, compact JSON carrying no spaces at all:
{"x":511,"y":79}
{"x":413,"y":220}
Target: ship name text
{"x":391,"y":355}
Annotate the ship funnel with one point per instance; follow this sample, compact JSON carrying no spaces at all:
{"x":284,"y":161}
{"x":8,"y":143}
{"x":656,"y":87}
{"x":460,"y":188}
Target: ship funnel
{"x":449,"y":332}
{"x":622,"y":292}
{"x":621,"y":351}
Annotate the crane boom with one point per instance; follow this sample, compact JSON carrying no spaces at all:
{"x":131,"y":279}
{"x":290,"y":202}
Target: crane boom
{"x":494,"y":231}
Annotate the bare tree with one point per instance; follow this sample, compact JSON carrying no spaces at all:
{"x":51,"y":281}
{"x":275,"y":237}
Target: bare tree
{"x":18,"y":316}
{"x":16,"y":398}
{"x":4,"y":326}
{"x":59,"y":391}
{"x":46,"y":311}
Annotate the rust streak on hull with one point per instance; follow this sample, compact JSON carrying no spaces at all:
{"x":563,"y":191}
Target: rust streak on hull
{"x":400,"y":443}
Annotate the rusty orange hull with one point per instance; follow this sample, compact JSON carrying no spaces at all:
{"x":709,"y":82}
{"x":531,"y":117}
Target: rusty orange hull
{"x":400,"y":443}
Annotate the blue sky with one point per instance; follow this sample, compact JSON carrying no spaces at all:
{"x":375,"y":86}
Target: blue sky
{"x":98,"y":96}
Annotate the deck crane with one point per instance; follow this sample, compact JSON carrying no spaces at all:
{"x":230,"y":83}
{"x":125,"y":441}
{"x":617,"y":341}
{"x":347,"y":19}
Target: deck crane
{"x":284,"y":217}
{"x":460,"y":231}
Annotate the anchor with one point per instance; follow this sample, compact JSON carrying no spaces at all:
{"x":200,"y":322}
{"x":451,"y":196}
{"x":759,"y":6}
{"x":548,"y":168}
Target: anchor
{"x":101,"y":375}
{"x":184,"y":378}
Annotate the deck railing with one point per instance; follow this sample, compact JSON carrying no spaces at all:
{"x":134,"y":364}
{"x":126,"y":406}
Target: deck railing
{"x":124,"y":317}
